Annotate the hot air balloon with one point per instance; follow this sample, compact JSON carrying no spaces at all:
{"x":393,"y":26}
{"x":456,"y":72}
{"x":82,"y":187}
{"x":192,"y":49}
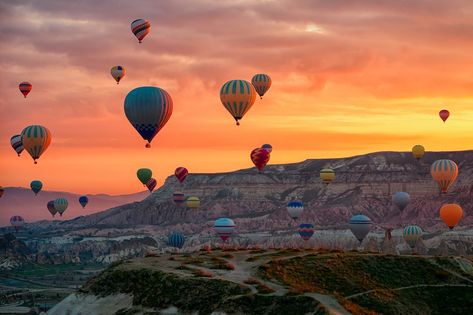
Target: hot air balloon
{"x":444,"y":172}
{"x":444,"y":114}
{"x":144,"y":175}
{"x":1,"y":191}
{"x":327,"y":175}
{"x":25,"y":88}
{"x":151,"y":184}
{"x":118,"y":72}
{"x":83,"y":200}
{"x":306,"y":230}
{"x":262,"y":83}
{"x":412,"y":234}
{"x":17,"y":222}
{"x":51,"y":208}
{"x":237,"y":96}
{"x":36,"y":140}
{"x":148,"y":109}
{"x":181,"y":174}
{"x":176,"y":240}
{"x":224,"y":228}
{"x":140,"y":28}
{"x":178,"y":197}
{"x":36,"y":186}
{"x":360,"y":226}
{"x":17,"y":144}
{"x":295,"y":208}
{"x":193,"y":202}
{"x":401,"y":199}
{"x":451,"y":214}
{"x":267,"y":147}
{"x":60,"y":204}
{"x":260,"y":158}
{"x":418,"y":151}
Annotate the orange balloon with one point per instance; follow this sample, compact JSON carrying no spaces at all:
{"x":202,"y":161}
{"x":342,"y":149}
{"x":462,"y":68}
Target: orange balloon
{"x":451,"y":214}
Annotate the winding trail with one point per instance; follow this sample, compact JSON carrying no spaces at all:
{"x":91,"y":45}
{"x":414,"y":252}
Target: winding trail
{"x":409,"y":287}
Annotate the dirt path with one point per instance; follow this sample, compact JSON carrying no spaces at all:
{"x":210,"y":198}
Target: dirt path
{"x":410,"y":287}
{"x":329,"y":303}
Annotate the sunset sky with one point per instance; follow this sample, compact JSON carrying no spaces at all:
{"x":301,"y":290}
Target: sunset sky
{"x":349,"y":77}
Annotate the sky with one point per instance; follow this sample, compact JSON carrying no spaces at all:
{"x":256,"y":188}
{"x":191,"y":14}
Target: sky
{"x":349,"y":77}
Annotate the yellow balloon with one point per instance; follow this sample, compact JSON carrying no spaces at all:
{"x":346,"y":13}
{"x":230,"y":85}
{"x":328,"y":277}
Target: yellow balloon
{"x":193,"y":202}
{"x":418,"y":151}
{"x":237,"y":96}
{"x":327,"y":175}
{"x":36,"y":140}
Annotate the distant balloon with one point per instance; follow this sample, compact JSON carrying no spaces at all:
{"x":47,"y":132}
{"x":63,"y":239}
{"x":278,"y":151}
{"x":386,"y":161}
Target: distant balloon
{"x":262,"y":83}
{"x":224,"y":228}
{"x":17,"y":144}
{"x":36,"y":140}
{"x":25,"y":88}
{"x":2,"y":190}
{"x":418,"y":151}
{"x":412,"y":234}
{"x":144,"y":175}
{"x":151,"y":184}
{"x":360,"y":226}
{"x":140,"y":28}
{"x":51,"y":208}
{"x":295,"y":208}
{"x":181,"y":174}
{"x":17,"y":222}
{"x":327,"y":175}
{"x":260,"y":157}
{"x":178,"y":197}
{"x":193,"y":202}
{"x":451,"y":214}
{"x":60,"y":204}
{"x":401,"y":199}
{"x":444,"y":114}
{"x":36,"y":186}
{"x":237,"y":96}
{"x":267,"y":147}
{"x":83,"y":200}
{"x":148,"y":109}
{"x":306,"y":230}
{"x":444,"y":172}
{"x":176,"y":240}
{"x":118,"y":72}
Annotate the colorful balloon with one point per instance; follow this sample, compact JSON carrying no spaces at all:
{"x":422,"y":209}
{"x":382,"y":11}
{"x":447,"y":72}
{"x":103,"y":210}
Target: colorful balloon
{"x":176,"y":240}
{"x":17,"y":222}
{"x":267,"y":147}
{"x":36,"y":186}
{"x":178,"y":197}
{"x":401,"y":199}
{"x":60,"y":204}
{"x":262,"y":83}
{"x":2,"y":190}
{"x":118,"y":72}
{"x":51,"y":208}
{"x":151,"y":184}
{"x":36,"y":140}
{"x":193,"y":202}
{"x":451,"y":214}
{"x":83,"y":200}
{"x":181,"y":174}
{"x":418,"y":151}
{"x":327,"y":175}
{"x":295,"y":208}
{"x":25,"y":88}
{"x":444,"y":114}
{"x":444,"y":172}
{"x":360,"y":226}
{"x":224,"y":228}
{"x":140,"y":28}
{"x":144,"y":175}
{"x":148,"y":109}
{"x":259,"y":157}
{"x":17,"y":144}
{"x":306,"y":230}
{"x":412,"y":234}
{"x":237,"y":96}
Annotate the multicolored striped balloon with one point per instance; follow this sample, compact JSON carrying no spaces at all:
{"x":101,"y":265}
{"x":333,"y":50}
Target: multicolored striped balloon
{"x":306,"y":230}
{"x":140,"y":28}
{"x":17,"y":222}
{"x":148,"y":109}
{"x":61,"y":204}
{"x":360,"y":225}
{"x":178,"y":197}
{"x":237,"y":96}
{"x":444,"y":172}
{"x":411,"y":234}
{"x":224,"y":228}
{"x":262,"y":83}
{"x":118,"y":72}
{"x":83,"y":200}
{"x":295,"y":208}
{"x":260,"y":157}
{"x":17,"y":144}
{"x":151,"y":184}
{"x":193,"y":202}
{"x":25,"y":88}
{"x":176,"y":239}
{"x":181,"y":174}
{"x":36,"y":140}
{"x":36,"y":186}
{"x":51,"y":208}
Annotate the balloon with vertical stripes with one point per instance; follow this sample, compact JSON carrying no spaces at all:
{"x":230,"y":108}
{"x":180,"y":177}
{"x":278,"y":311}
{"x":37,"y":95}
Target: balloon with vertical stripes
{"x":444,"y":172}
{"x":237,"y":96}
{"x":262,"y":83}
{"x":176,"y":240}
{"x":36,"y":140}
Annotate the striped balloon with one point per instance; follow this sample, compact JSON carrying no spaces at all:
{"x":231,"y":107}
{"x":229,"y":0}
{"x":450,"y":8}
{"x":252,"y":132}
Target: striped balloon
{"x":181,"y":174}
{"x":17,"y":222}
{"x":25,"y":88}
{"x":193,"y":202}
{"x":140,"y":28}
{"x":151,"y":184}
{"x":118,"y":72}
{"x":17,"y":144}
{"x":237,"y":96}
{"x":262,"y":83}
{"x":83,"y":200}
{"x":444,"y":172}
{"x":412,"y":234}
{"x":306,"y":230}
{"x":327,"y":175}
{"x":176,"y":240}
{"x":178,"y":197}
{"x":60,"y":204}
{"x":360,"y":226}
{"x":36,"y":186}
{"x":260,"y":157}
{"x":36,"y":140}
{"x":148,"y":109}
{"x":295,"y":208}
{"x":51,"y":208}
{"x":267,"y":147}
{"x":224,"y":228}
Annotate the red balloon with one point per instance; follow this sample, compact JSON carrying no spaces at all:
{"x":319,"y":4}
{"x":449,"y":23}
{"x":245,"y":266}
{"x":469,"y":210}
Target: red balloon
{"x":151,"y":184}
{"x":181,"y":173}
{"x":260,"y":158}
{"x":444,"y":114}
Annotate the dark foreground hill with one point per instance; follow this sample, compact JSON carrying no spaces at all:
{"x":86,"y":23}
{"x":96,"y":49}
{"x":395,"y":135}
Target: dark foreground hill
{"x":278,"y":282}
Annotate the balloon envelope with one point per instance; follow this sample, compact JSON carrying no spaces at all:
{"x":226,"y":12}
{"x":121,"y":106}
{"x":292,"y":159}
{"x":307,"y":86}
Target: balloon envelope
{"x":17,"y":222}
{"x":144,"y":175}
{"x":83,"y":200}
{"x":1,"y":191}
{"x":418,"y":151}
{"x":262,"y":83}
{"x":140,"y":28}
{"x":181,"y":174}
{"x":401,"y":199}
{"x":451,"y":214}
{"x":306,"y":230}
{"x":267,"y":147}
{"x":178,"y":197}
{"x":327,"y":175}
{"x":51,"y":208}
{"x":118,"y":72}
{"x":412,"y":234}
{"x":36,"y":140}
{"x":151,"y":184}
{"x":295,"y":208}
{"x":444,"y":172}
{"x":36,"y":186}
{"x":360,"y":226}
{"x":25,"y":88}
{"x":17,"y":144}
{"x":193,"y":202}
{"x":444,"y":114}
{"x":237,"y":96}
{"x":224,"y":228}
{"x":176,"y":240}
{"x":260,"y":158}
{"x":60,"y":204}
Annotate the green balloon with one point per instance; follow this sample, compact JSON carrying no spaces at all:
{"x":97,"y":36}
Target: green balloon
{"x":144,"y":175}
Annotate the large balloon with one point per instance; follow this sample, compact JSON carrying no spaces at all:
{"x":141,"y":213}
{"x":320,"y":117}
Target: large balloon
{"x":1,"y":191}
{"x":51,"y":208}
{"x":327,"y":175}
{"x":224,"y":228}
{"x":140,"y":28}
{"x":267,"y":147}
{"x":83,"y":200}
{"x":412,"y":234}
{"x":360,"y":226}
{"x":237,"y":96}
{"x":181,"y":174}
{"x":60,"y":204}
{"x":118,"y":72}
{"x":444,"y":114}
{"x":25,"y":88}
{"x":260,"y":158}
{"x":178,"y":197}
{"x":148,"y":109}
{"x":17,"y":144}
{"x":306,"y":230}
{"x":451,"y":214}
{"x":401,"y":199}
{"x":418,"y":151}
{"x":151,"y":184}
{"x":444,"y":172}
{"x":36,"y":186}
{"x":262,"y":83}
{"x":144,"y":175}
{"x":17,"y":222}
{"x":295,"y":208}
{"x":193,"y":202}
{"x":176,"y":240}
{"x":36,"y":140}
